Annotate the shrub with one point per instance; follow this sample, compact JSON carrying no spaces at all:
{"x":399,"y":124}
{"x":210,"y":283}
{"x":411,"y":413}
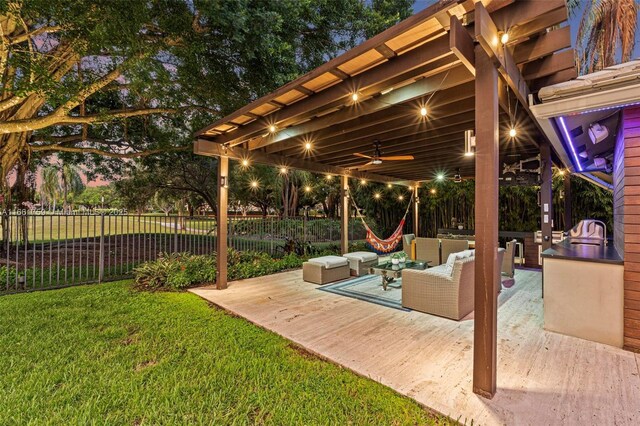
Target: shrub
{"x":175,"y":271}
{"x":178,"y":271}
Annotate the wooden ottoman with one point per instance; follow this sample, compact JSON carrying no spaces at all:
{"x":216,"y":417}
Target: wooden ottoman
{"x":360,"y":261}
{"x":325,"y":269}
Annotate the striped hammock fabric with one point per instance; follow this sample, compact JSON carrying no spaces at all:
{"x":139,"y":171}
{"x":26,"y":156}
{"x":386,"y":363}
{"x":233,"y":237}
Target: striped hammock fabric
{"x":385,"y":246}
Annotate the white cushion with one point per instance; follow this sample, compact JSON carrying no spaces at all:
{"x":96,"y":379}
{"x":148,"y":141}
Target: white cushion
{"x":329,"y":262}
{"x":362,"y":256}
{"x":451,"y":260}
{"x":448,"y":267}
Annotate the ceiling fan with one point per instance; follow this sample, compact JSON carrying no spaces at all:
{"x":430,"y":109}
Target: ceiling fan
{"x":377,"y":157}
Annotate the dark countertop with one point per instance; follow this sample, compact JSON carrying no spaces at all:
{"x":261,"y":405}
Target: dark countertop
{"x":584,"y":253}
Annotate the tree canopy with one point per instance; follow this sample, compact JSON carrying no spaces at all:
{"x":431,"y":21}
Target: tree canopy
{"x":88,"y":81}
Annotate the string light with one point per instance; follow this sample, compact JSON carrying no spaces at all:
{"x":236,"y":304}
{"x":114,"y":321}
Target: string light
{"x":377,"y":195}
{"x":329,"y":177}
{"x":307,"y":146}
{"x":283,"y":170}
{"x":254,"y":184}
{"x":272,"y":129}
{"x":389,"y":186}
{"x":423,"y":111}
{"x":433,"y":191}
{"x":400,"y":197}
{"x":561,"y":172}
{"x":245,"y":163}
{"x":363,"y":182}
{"x":512,"y":132}
{"x":307,"y":189}
{"x":440,"y":177}
{"x":354,"y":97}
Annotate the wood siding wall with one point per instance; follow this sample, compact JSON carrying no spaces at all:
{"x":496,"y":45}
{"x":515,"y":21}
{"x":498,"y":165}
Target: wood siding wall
{"x":631,"y":227}
{"x":618,"y":194}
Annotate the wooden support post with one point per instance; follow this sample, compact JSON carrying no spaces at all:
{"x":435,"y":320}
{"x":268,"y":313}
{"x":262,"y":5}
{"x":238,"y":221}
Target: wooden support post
{"x":487,"y":269}
{"x":416,"y":209}
{"x":546,"y":194}
{"x":344,"y":214}
{"x":568,"y":201}
{"x":221,"y":222}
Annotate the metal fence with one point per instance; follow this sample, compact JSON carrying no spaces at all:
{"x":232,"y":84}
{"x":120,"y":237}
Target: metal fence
{"x":44,"y":251}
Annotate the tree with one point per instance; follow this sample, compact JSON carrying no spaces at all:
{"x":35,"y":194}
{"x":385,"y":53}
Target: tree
{"x":92,"y":79}
{"x":97,"y":197}
{"x":606,"y":35}
{"x":70,"y":183}
{"x":50,"y":187}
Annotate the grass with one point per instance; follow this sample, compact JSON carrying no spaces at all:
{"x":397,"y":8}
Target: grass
{"x":104,"y":354}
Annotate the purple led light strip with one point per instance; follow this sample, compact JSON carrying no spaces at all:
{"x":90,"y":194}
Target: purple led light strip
{"x":570,"y":142}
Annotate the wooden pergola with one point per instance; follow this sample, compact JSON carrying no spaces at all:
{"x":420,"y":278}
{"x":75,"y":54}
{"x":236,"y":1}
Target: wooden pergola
{"x":472,"y":66}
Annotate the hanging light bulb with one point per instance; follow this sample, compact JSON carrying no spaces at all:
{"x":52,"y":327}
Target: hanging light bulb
{"x":363,"y":182}
{"x":354,"y":97}
{"x":329,"y":177}
{"x":423,"y":111}
{"x":245,"y":163}
{"x":512,"y":132}
{"x":504,"y":39}
{"x":307,"y":146}
{"x":272,"y":128}
{"x":389,"y":186}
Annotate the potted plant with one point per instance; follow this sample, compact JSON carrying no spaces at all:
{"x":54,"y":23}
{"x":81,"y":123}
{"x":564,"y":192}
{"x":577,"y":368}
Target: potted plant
{"x":398,"y":257}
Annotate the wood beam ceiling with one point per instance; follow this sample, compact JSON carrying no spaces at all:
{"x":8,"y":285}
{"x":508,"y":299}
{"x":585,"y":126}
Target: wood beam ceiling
{"x":444,"y":79}
{"x":394,"y":118}
{"x":213,"y":149}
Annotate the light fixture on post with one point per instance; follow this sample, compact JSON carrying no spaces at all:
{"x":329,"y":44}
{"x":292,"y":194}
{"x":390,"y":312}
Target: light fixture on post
{"x":469,"y":143}
{"x":457,"y":178}
{"x":224,"y":182}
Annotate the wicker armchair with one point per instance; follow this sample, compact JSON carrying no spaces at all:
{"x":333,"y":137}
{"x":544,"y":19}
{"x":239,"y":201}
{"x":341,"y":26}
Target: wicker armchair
{"x":428,"y":249}
{"x":436,"y":292}
{"x":452,"y":246}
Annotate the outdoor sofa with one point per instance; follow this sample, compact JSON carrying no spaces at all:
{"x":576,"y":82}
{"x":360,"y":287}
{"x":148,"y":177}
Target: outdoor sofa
{"x":445,"y":290}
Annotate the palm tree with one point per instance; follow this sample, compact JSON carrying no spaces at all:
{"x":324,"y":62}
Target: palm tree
{"x":50,"y":187}
{"x":71,"y":183}
{"x":606,"y":35}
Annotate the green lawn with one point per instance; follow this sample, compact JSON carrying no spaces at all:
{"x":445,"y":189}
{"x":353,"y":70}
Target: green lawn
{"x":103,"y":354}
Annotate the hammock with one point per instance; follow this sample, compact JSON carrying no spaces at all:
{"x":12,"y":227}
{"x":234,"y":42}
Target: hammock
{"x":380,"y":245}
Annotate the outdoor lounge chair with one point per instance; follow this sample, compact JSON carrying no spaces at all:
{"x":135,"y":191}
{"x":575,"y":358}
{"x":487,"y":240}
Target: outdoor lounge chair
{"x":436,"y":291}
{"x":428,"y":249}
{"x":449,"y":246}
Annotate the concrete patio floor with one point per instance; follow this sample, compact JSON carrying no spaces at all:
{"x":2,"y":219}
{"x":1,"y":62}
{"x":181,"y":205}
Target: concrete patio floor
{"x":544,"y":378}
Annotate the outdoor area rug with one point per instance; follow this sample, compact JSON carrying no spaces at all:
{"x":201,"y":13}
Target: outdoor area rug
{"x":369,"y":289}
